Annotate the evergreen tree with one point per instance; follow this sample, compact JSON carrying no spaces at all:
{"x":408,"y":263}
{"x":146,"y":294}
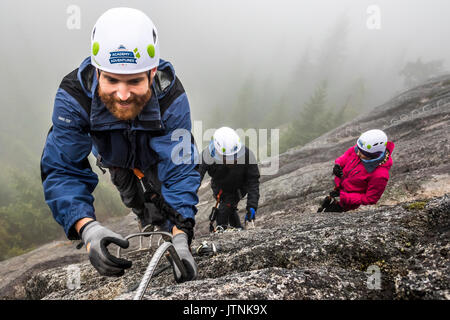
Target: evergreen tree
{"x":309,"y":123}
{"x":417,"y":72}
{"x":242,"y":113}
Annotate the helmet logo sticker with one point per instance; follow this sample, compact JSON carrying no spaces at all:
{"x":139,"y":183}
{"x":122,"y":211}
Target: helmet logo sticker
{"x":361,"y":144}
{"x":122,"y":55}
{"x":136,"y":52}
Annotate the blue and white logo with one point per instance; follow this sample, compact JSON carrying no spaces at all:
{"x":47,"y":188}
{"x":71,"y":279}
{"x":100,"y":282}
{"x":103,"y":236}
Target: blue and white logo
{"x":361,"y":144}
{"x":122,"y":55}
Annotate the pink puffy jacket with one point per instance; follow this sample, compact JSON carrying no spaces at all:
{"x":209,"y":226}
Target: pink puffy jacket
{"x":357,"y":186}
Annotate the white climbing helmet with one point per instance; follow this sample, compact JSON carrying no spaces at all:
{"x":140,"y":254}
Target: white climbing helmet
{"x":124,"y":41}
{"x":373,"y":142}
{"x":225,"y":142}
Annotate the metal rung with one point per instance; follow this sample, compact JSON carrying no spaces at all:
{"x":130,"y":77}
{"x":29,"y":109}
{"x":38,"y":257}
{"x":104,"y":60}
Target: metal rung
{"x":143,"y":234}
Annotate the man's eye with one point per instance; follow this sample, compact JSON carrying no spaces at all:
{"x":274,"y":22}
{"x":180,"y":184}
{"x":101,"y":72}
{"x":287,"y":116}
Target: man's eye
{"x":112,"y":81}
{"x":134,"y":82}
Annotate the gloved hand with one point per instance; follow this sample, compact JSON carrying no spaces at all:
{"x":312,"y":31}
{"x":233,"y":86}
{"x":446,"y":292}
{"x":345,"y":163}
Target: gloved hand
{"x":180,"y":242}
{"x":250,"y":216}
{"x":97,"y":238}
{"x":335,"y":193}
{"x":325,"y":203}
{"x":337,"y":171}
{"x":334,"y":206}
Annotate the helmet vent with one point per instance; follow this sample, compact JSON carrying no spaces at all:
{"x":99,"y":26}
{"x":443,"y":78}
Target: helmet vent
{"x":154,"y":36}
{"x":93,"y":33}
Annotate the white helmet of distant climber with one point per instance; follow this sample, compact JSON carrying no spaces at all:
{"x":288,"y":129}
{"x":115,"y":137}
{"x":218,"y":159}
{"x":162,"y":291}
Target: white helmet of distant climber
{"x":124,"y":41}
{"x":225,"y":143}
{"x":373,"y":142}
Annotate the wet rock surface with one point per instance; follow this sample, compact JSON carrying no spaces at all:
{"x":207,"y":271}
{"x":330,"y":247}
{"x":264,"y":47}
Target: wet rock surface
{"x":294,"y":252}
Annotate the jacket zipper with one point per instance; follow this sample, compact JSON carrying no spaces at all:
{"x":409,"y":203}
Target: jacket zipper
{"x":347,"y":175}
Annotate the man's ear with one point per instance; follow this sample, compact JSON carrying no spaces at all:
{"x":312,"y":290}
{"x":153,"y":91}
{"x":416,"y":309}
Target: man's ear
{"x":151,"y":75}
{"x":153,"y":71}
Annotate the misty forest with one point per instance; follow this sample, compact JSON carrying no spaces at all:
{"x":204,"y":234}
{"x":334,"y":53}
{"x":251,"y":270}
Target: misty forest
{"x":301,"y":67}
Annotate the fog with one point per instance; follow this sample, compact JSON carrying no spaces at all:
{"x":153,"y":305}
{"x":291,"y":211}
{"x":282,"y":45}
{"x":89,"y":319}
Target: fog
{"x":217,"y":47}
{"x":245,"y":64}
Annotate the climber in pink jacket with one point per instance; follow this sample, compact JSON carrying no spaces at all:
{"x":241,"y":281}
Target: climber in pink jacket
{"x":362,"y":173}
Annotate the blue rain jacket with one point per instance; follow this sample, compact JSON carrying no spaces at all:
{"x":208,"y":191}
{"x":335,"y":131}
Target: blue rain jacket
{"x":82,"y":124}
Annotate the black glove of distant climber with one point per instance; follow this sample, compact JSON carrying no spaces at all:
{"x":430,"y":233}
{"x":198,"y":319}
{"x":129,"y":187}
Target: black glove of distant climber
{"x":180,"y":242}
{"x":97,"y":238}
{"x":335,"y":193}
{"x":337,"y":171}
{"x":325,"y":203}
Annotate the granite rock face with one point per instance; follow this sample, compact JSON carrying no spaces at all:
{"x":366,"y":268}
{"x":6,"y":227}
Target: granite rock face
{"x":397,"y":249}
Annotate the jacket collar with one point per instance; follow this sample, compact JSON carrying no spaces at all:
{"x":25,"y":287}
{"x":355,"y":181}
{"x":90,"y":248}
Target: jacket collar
{"x":371,"y":165}
{"x":102,"y":119}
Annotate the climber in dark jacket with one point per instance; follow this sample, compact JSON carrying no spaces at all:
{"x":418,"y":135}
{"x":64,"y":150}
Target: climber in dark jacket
{"x":126,"y":106}
{"x":234,"y":174}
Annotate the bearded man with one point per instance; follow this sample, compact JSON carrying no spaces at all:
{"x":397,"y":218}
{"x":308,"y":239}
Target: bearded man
{"x":123,"y":104}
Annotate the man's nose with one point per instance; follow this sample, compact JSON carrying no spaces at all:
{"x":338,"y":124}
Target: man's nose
{"x":123,"y":93}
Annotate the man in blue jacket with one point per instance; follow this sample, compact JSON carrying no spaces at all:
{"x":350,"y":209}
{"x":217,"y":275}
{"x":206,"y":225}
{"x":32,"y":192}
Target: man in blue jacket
{"x":124,"y":104}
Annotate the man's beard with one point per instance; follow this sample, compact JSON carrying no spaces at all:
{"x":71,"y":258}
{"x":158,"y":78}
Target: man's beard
{"x":112,"y":103}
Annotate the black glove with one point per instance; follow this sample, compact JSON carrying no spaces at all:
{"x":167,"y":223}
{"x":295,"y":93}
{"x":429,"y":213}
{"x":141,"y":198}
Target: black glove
{"x":334,"y":206}
{"x":180,"y":242}
{"x":325,"y":203}
{"x":337,"y":171}
{"x":97,"y":238}
{"x":329,"y":204}
{"x":335,"y":193}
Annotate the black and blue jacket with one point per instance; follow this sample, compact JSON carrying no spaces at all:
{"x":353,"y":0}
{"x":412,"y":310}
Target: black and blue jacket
{"x":82,"y":124}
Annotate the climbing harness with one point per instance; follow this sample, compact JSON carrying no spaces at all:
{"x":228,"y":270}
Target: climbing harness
{"x":151,"y":194}
{"x":213,"y":215}
{"x":164,"y":242}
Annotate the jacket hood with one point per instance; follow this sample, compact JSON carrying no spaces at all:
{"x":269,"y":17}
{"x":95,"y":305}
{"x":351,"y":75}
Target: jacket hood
{"x":390,"y":147}
{"x":371,"y":165}
{"x":163,"y":81}
{"x":150,"y":116}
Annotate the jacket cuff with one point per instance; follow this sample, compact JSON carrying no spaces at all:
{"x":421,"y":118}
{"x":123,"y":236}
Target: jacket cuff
{"x":186,"y":213}
{"x":349,"y":199}
{"x":69,"y":228}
